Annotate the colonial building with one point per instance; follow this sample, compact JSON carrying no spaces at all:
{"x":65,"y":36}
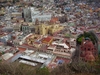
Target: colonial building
{"x":33,"y":40}
{"x":88,"y":50}
{"x":60,"y":48}
{"x":72,"y":42}
{"x":48,"y":29}
{"x":16,"y":26}
{"x":47,"y":40}
{"x":25,"y":28}
{"x":27,"y":14}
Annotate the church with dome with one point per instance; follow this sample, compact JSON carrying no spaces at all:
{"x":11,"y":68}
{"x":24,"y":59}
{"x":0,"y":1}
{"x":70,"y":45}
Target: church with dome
{"x":88,"y":51}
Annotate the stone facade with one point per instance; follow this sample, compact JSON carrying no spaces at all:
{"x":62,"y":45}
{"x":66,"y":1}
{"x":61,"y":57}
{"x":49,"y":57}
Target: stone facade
{"x":88,"y":51}
{"x":48,"y":29}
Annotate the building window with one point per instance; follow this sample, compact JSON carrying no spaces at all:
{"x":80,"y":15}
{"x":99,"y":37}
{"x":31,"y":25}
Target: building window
{"x":88,"y":49}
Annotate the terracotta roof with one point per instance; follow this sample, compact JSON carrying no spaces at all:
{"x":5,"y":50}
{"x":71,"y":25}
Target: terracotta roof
{"x":54,"y":20}
{"x":21,"y":49}
{"x":47,"y":39}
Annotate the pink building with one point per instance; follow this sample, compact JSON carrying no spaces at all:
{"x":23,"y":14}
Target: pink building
{"x":88,"y":50}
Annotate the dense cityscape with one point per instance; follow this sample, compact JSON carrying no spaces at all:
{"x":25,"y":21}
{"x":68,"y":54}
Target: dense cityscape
{"x":50,"y":34}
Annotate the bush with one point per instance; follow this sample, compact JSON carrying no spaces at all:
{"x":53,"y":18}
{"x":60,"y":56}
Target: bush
{"x":80,"y":68}
{"x":90,"y":35}
{"x":42,"y":71}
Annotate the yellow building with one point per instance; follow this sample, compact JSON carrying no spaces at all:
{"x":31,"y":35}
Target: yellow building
{"x":31,"y":41}
{"x":48,"y":29}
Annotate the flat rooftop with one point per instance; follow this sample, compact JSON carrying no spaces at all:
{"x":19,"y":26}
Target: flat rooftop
{"x":36,"y":58}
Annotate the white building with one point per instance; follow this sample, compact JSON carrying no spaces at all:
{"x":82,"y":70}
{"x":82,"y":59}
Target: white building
{"x":31,"y":14}
{"x":41,"y":16}
{"x":27,"y":14}
{"x":72,"y":42}
{"x":7,"y":56}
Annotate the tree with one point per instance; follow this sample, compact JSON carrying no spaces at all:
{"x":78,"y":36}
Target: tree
{"x":42,"y":71}
{"x":90,"y":35}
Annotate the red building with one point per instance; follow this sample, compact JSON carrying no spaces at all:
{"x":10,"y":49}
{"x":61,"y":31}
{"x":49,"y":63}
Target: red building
{"x":88,"y":50}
